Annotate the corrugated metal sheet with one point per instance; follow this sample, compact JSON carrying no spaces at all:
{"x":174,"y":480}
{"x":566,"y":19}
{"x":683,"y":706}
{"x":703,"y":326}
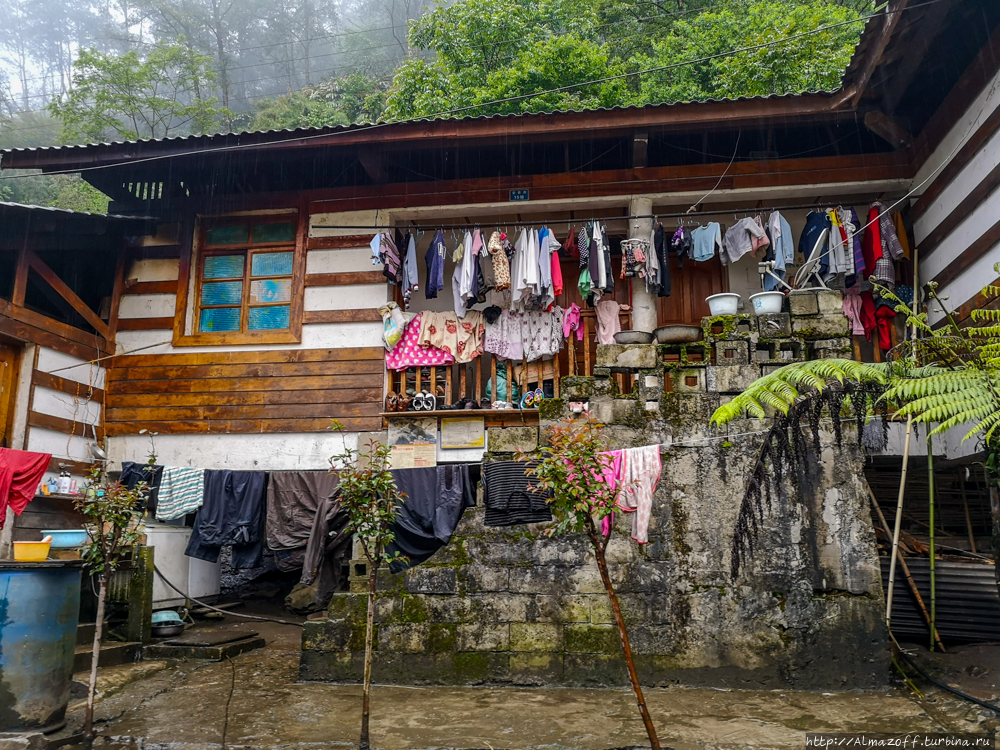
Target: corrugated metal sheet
{"x":26,"y":208}
{"x":967,"y":600}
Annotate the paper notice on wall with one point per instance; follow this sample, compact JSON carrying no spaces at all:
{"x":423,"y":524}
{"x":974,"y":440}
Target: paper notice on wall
{"x":412,"y":456}
{"x":413,"y":431}
{"x":463,"y":432}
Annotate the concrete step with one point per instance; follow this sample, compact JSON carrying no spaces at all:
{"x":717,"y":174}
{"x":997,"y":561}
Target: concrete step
{"x":85,"y":633}
{"x":112,"y":654}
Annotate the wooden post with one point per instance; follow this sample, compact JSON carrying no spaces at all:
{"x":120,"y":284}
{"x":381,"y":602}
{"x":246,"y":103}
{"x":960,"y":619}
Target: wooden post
{"x":857,"y":348}
{"x":417,"y":383}
{"x":556,"y":370}
{"x":433,"y":380}
{"x":461,"y":381}
{"x":448,"y":390}
{"x":586,"y":347}
{"x":477,"y":365}
{"x":494,"y":387}
{"x":965,"y":506}
{"x":572,"y":353}
{"x":510,"y":383}
{"x":930,"y":508}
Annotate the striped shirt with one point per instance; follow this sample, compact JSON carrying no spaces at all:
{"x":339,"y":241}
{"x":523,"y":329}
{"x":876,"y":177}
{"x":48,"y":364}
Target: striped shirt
{"x":509,"y":495}
{"x":182,"y":491}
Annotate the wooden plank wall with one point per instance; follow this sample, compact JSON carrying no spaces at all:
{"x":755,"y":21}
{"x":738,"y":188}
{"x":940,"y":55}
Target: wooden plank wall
{"x":245,"y":392}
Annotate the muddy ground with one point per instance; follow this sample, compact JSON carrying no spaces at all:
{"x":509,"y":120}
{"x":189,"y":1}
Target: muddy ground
{"x":254,"y":701}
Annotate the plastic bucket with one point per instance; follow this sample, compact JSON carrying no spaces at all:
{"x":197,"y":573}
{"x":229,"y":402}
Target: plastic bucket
{"x":726,"y":303}
{"x":765,"y":303}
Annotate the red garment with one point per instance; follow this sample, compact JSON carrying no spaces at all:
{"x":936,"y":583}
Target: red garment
{"x":20,"y":473}
{"x":884,"y":316}
{"x":557,"y":279}
{"x":868,"y":320}
{"x":871,"y":245}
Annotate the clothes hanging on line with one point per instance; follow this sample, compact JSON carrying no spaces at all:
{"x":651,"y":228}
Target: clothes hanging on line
{"x":781,"y":249}
{"x":20,"y":474}
{"x":510,"y":497}
{"x":182,"y":491}
{"x":532,"y":335}
{"x":434,"y":260}
{"x":705,"y":241}
{"x":384,"y":251}
{"x":435,"y":500}
{"x":852,"y":309}
{"x":498,"y":257}
{"x":411,"y":277}
{"x":608,"y":321}
{"x":409,"y":353}
{"x":640,"y":473}
{"x":231,"y":515}
{"x":461,"y":338}
{"x":571,"y":322}
{"x":745,"y":236}
{"x":132,"y":473}
{"x":394,"y":323}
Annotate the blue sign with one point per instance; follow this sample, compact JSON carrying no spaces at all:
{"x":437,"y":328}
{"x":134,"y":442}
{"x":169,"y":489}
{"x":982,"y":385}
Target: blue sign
{"x":519,"y":195}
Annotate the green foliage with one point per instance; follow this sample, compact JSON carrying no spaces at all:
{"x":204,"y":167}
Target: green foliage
{"x":369,"y":495}
{"x":295,"y":110}
{"x":131,"y":97}
{"x":572,"y":470}
{"x":112,"y":514}
{"x":354,"y":98}
{"x":490,"y":50}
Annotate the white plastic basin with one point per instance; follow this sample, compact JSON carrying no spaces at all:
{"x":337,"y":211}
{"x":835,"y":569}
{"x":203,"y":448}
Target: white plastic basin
{"x":765,"y":303}
{"x":723,"y":304}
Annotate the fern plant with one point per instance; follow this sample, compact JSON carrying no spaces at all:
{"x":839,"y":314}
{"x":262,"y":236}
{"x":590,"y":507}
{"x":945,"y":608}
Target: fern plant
{"x":947,"y":376}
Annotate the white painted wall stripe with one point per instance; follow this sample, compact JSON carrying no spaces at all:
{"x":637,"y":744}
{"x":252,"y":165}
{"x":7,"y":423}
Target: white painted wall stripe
{"x":351,"y":297}
{"x":147,"y":306}
{"x":50,"y":360}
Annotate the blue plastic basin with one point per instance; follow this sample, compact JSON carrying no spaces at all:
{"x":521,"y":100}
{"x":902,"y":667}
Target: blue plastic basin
{"x":66,"y":538}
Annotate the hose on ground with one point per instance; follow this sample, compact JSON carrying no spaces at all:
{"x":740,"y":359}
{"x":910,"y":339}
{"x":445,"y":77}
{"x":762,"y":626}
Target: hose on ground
{"x":942,"y":685}
{"x":224,"y":611}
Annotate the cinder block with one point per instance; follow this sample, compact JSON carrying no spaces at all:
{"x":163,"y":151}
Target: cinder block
{"x":840,"y":348}
{"x":626,"y":357}
{"x":780,"y":351}
{"x":728,"y":353}
{"x":832,"y":326}
{"x":535,"y":636}
{"x":803,"y":302}
{"x":729,"y":327}
{"x":830,"y":301}
{"x":774,"y":325}
{"x":688,"y":380}
{"x":731,"y":379}
{"x":685,"y":355}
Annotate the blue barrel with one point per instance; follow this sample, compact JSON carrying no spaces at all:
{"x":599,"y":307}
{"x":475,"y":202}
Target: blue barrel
{"x":39,"y":609}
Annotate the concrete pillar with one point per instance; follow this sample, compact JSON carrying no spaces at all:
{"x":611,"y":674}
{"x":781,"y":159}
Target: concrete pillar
{"x":643,"y":302}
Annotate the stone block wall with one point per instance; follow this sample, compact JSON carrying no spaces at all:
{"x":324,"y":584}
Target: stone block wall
{"x":509,"y":606}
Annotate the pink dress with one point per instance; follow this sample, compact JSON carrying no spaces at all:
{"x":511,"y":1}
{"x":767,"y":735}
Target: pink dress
{"x":409,"y":353}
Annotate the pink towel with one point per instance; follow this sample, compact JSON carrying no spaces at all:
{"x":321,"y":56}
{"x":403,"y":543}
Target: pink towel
{"x":640,"y":473}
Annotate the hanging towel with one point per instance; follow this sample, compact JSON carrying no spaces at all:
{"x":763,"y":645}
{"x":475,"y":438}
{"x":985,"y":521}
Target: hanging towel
{"x":20,"y":474}
{"x":640,"y":474}
{"x":608,"y":323}
{"x":232,"y":515}
{"x":435,"y":500}
{"x":182,"y":491}
{"x":611,"y":475}
{"x":509,"y":497}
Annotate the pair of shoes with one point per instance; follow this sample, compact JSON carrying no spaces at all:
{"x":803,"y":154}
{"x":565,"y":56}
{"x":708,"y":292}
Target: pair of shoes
{"x":532,"y":399}
{"x":424,"y":401}
{"x":392,"y":401}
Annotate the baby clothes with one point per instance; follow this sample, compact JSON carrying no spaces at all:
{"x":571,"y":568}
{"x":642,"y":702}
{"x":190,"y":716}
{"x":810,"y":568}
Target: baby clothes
{"x":503,"y":338}
{"x":541,"y":333}
{"x":409,"y":353}
{"x":460,"y":337}
{"x":571,"y":322}
{"x":706,"y":240}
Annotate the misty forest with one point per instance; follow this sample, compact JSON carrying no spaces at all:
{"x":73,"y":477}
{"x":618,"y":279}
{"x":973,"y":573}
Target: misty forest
{"x":84,"y":71}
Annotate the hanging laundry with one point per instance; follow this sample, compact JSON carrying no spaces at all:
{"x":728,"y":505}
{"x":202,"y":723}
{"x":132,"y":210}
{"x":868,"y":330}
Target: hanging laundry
{"x":682,"y":244}
{"x":852,"y":309}
{"x":501,"y":268}
{"x":782,"y":248}
{"x":546,"y":297}
{"x":503,"y":338}
{"x":745,"y":236}
{"x":634,"y":252}
{"x":393,"y":264}
{"x":609,"y":279}
{"x":541,"y":333}
{"x":411,"y":278}
{"x":556,"y":274}
{"x":434,"y":259}
{"x":571,"y":322}
{"x":182,"y":491}
{"x":653,"y":285}
{"x":20,"y":474}
{"x":891,"y":245}
{"x":459,"y":337}
{"x":570,"y":248}
{"x":485,"y":275}
{"x":705,"y":241}
{"x":871,"y":246}
{"x":376,"y":246}
{"x":463,"y":277}
{"x":510,"y":497}
{"x":525,"y":270}
{"x":232,"y":515}
{"x":134,"y":472}
{"x":608,"y":322}
{"x":640,"y":473}
{"x":856,"y":242}
{"x":611,"y":475}
{"x":836,"y":248}
{"x":815,"y":239}
{"x":583,"y":247}
{"x":409,"y":353}
{"x":436,"y":499}
{"x":902,"y":236}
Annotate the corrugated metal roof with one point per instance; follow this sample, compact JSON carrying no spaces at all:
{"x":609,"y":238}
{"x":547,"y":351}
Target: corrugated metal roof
{"x":260,"y":137}
{"x":27,"y":208}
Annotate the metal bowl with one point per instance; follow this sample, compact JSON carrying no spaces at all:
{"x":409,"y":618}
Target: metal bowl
{"x":677,"y":334}
{"x":633,"y":337}
{"x":167,"y":631}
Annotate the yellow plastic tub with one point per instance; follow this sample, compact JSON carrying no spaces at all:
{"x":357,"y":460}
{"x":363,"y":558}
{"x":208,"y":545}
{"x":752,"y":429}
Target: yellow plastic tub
{"x":32,"y":551}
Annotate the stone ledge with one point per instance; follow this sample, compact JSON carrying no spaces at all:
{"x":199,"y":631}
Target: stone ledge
{"x":627,"y":357}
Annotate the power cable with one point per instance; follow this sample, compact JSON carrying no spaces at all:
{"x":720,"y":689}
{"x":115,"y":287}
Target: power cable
{"x":456,"y":110}
{"x":943,"y":686}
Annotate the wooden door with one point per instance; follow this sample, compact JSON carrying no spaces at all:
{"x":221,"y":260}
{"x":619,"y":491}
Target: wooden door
{"x":689,"y":288}
{"x":9,"y":358}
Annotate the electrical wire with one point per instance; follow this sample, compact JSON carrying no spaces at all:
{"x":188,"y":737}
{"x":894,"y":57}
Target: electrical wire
{"x":940,"y":684}
{"x":229,"y":700}
{"x":224,"y":611}
{"x":482,"y":105}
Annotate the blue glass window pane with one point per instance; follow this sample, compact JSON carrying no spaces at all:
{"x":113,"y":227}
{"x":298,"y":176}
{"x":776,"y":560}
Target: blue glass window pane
{"x":270,"y":290}
{"x":268,"y":318}
{"x":222,"y":293}
{"x":220,"y":319}
{"x":233,"y":234}
{"x":280,"y":232}
{"x":223,"y":267}
{"x":271,"y":264}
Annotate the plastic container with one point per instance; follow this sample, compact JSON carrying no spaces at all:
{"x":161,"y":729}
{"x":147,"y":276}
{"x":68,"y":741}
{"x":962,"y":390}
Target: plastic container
{"x":66,"y":538}
{"x":32,"y":551}
{"x":41,"y":604}
{"x":726,"y":303}
{"x":766,"y":303}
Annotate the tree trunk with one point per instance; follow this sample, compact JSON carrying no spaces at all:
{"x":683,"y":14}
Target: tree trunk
{"x":88,"y":722}
{"x":602,"y":566}
{"x":367,"y":688}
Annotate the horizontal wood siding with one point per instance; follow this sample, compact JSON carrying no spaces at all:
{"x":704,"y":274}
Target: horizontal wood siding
{"x":245,"y":392}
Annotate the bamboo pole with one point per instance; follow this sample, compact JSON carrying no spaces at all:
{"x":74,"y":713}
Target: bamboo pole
{"x":906,"y":571}
{"x":930,"y":501}
{"x":965,"y":505}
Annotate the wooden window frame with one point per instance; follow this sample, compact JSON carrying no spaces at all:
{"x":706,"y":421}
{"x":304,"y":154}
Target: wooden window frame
{"x":193,"y":259}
